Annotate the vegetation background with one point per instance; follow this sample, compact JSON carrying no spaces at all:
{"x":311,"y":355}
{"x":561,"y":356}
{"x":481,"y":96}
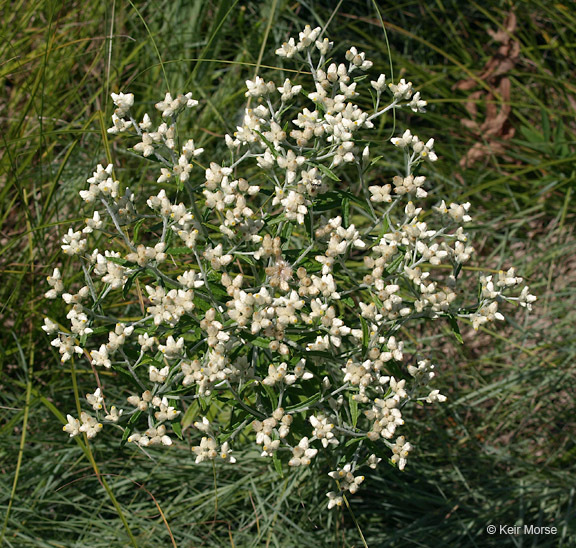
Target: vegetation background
{"x":499,"y":79}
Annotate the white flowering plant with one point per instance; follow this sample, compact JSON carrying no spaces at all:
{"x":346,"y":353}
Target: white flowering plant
{"x":262,"y":298}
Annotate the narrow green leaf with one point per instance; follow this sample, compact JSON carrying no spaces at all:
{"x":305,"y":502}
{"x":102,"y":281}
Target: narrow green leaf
{"x":454,"y":328}
{"x":353,"y":441}
{"x":306,"y":403}
{"x":328,"y":172}
{"x":130,"y":427}
{"x":268,"y":144}
{"x":365,"y":334}
{"x":190,"y":415}
{"x":137,"y":227}
{"x":180,"y":250}
{"x":272,"y":396}
{"x":345,"y":212}
{"x":278,"y":465}
{"x":354,"y":411}
{"x":177,"y":428}
{"x":129,"y":282}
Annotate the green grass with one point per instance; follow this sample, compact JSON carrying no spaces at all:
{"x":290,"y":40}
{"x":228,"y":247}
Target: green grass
{"x":500,"y":451}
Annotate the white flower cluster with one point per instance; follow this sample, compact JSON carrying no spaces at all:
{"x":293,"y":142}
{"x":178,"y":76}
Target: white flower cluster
{"x":259,"y":293}
{"x":346,"y":482}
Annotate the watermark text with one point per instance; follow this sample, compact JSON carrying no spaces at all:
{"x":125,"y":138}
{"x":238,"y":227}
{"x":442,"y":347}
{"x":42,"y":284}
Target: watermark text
{"x":526,"y":529}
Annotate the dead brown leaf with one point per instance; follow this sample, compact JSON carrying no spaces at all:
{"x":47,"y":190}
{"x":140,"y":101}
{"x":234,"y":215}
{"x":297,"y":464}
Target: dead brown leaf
{"x":495,"y":129}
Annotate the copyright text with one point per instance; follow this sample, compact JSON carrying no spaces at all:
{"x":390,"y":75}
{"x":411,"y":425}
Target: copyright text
{"x":521,"y":530}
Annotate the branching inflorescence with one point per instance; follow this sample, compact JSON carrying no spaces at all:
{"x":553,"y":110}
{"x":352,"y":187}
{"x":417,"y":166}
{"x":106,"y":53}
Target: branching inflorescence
{"x":279,"y":287}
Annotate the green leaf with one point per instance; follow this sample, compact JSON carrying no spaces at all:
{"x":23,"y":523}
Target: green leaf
{"x":129,"y":282}
{"x":204,"y":403}
{"x":278,"y":465}
{"x":532,"y":135}
{"x":180,"y":250}
{"x":393,"y":368}
{"x":354,"y":411}
{"x":308,"y":223}
{"x":237,"y":417}
{"x":306,"y":403}
{"x":276,"y":220}
{"x":345,"y":212}
{"x":260,"y":342}
{"x":212,"y":227}
{"x":137,"y":227}
{"x":177,"y":428}
{"x":286,"y":233}
{"x":246,"y":259}
{"x":130,"y":427}
{"x":353,"y":441}
{"x":268,"y":144}
{"x":125,"y":374}
{"x":348,"y":301}
{"x":244,"y":387}
{"x":216,"y":289}
{"x":328,"y":172}
{"x":272,"y":396}
{"x":365,"y":334}
{"x":457,"y":269}
{"x":120,"y":261}
{"x":190,"y":415}
{"x":454,"y":328}
{"x":319,"y":354}
{"x":358,"y":200}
